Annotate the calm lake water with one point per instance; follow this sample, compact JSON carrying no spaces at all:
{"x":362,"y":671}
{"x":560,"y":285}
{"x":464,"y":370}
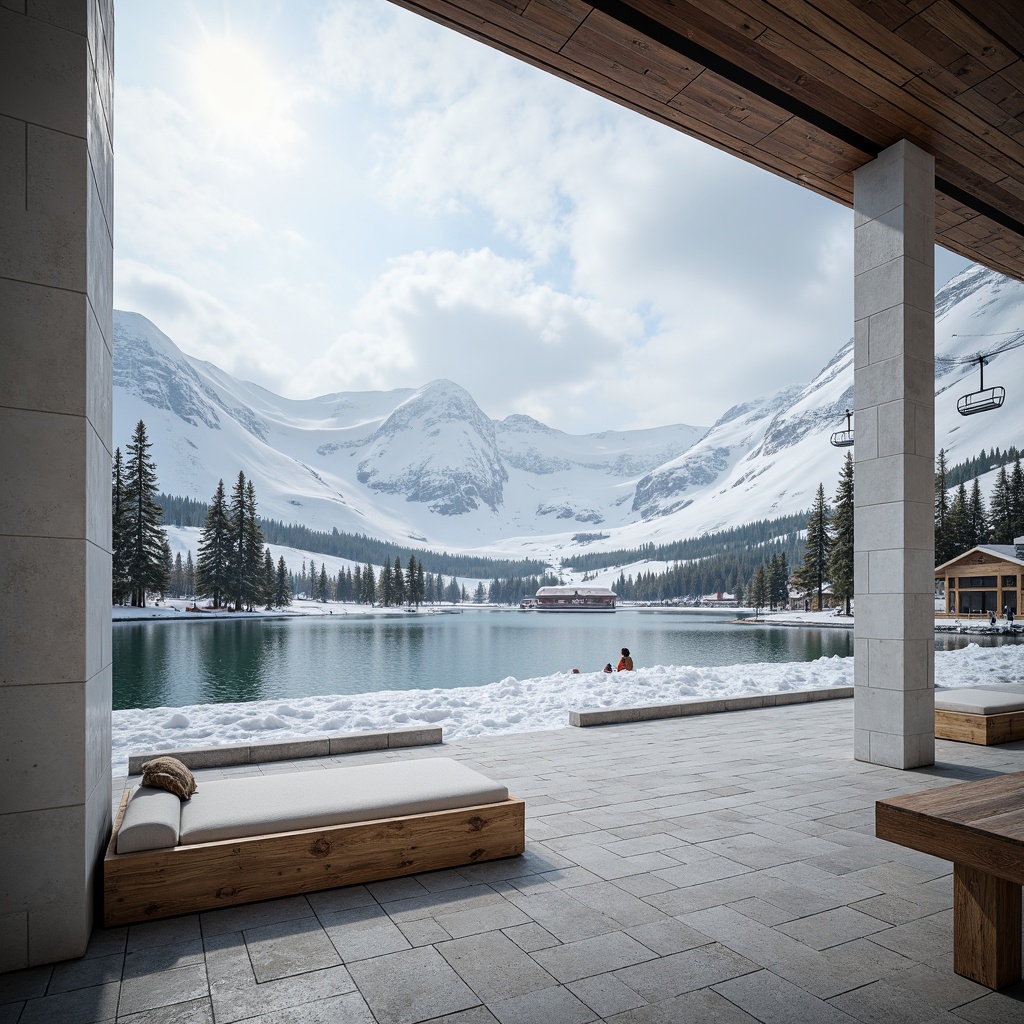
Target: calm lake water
{"x":188,"y":662}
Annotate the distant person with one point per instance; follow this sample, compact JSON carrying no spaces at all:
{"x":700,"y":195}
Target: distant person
{"x":991,"y":618}
{"x":608,"y":667}
{"x":1009,"y":616}
{"x":625,"y":662}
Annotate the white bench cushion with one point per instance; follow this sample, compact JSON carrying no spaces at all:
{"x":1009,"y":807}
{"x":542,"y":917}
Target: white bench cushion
{"x":978,"y":701}
{"x":286,"y":802}
{"x":150,"y":822}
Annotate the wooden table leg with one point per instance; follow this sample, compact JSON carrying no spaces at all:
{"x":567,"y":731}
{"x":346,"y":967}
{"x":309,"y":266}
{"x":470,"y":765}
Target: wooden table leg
{"x":986,"y":927}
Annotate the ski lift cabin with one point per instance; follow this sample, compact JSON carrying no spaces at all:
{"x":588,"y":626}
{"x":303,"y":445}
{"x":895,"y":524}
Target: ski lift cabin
{"x":843,"y":438}
{"x":982,"y":400}
{"x":575,"y":599}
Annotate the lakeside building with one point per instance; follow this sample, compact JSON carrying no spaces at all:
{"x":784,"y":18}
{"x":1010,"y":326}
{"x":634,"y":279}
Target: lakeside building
{"x":988,"y":579}
{"x":575,"y":599}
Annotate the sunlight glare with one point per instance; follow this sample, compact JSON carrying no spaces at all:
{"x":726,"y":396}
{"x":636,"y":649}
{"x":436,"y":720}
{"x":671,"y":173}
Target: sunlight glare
{"x":244,"y":100}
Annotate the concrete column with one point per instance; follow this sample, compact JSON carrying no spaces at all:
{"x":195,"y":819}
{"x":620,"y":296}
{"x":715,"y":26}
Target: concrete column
{"x":56,"y":188}
{"x":894,"y":385}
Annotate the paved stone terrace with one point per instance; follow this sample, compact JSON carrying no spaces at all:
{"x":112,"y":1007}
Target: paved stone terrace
{"x":716,"y":869}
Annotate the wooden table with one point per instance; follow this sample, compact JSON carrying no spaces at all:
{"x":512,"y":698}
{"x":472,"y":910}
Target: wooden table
{"x":979,"y":826}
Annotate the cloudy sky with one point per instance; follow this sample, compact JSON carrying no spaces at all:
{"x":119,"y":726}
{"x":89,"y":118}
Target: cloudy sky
{"x":343,"y":196}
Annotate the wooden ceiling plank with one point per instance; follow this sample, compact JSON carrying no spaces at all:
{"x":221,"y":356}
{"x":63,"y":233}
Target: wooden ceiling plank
{"x":709,"y":96}
{"x":1003,"y":19}
{"x":820,"y":153}
{"x":889,"y":13}
{"x":986,"y":143}
{"x":560,"y":18}
{"x":625,"y":56}
{"x":944,"y":138}
{"x":953,"y":22}
{"x":929,"y":40}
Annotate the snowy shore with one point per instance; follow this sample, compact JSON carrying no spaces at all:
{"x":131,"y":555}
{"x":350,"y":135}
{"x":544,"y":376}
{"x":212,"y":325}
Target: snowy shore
{"x":514,"y":705}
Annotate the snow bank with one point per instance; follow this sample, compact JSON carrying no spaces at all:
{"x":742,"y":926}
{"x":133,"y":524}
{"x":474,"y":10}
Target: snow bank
{"x":514,"y":705}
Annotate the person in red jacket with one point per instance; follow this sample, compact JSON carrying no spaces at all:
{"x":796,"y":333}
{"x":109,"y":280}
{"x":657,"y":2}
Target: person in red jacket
{"x":625,"y":662}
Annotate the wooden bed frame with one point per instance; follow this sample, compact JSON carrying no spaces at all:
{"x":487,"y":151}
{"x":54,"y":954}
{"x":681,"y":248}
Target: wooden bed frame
{"x":985,"y":730}
{"x":185,"y":879}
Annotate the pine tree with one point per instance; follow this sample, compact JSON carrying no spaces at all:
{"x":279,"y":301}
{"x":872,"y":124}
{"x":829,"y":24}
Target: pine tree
{"x":145,"y":563}
{"x":212,"y":564}
{"x":269,"y":580}
{"x":369,"y":585}
{"x":282,"y":586}
{"x":190,"y":575}
{"x":759,"y":589}
{"x":840,"y":564}
{"x":977,"y":518}
{"x":398,"y":589}
{"x":958,"y":524}
{"x":814,"y":572}
{"x":120,"y":586}
{"x":412,"y":582}
{"x":177,"y":581}
{"x":943,"y":547}
{"x":253,"y":581}
{"x":385,"y":591}
{"x":1001,"y":510}
{"x":1016,"y":502}
{"x":321,"y":587}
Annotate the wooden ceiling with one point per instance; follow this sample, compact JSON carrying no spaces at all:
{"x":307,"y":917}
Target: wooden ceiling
{"x":807,"y":89}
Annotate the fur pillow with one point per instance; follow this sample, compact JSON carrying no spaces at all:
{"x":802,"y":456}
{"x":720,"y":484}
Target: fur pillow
{"x":170,"y":774}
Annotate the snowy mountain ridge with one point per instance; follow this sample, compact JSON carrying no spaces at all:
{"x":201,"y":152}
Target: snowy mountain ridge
{"x":428,"y":466}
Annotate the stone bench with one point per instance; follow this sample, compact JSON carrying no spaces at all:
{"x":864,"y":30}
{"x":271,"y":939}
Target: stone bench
{"x":250,"y":838}
{"x":979,"y":715}
{"x":979,"y":826}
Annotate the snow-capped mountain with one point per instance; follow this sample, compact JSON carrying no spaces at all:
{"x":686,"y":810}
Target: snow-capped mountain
{"x":427,"y":466}
{"x":424,"y":466}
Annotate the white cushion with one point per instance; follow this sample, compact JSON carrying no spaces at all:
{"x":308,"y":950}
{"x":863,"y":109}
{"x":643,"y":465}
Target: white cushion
{"x":151,"y":821}
{"x":286,"y":802}
{"x":978,"y":701}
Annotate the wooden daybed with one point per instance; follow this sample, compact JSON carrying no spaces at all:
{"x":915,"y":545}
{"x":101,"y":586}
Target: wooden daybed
{"x":981,"y":715}
{"x":363,"y":832}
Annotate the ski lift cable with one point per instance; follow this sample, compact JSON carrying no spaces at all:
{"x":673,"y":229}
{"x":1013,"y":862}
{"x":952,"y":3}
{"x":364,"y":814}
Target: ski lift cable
{"x":964,"y":360}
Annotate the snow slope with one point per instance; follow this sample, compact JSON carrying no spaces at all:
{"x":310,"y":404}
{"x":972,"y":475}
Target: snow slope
{"x":428,"y":467}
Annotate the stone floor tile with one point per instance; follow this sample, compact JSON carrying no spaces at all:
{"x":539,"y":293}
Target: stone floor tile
{"x":474,"y":1015}
{"x":668,"y":935}
{"x":613,"y":902}
{"x":605,"y":994}
{"x":10,"y":1012}
{"x":350,"y":1008}
{"x":195,"y":1011}
{"x":177,"y":985}
{"x":773,"y":1000}
{"x":349,"y":897}
{"x":494,"y":967}
{"x":435,"y":904}
{"x":81,"y":1006}
{"x":364,"y":932}
{"x":1006,"y":1007}
{"x":841,"y":968}
{"x":163,"y":958}
{"x":442,"y":881}
{"x":704,"y":1006}
{"x":85,"y":973}
{"x":107,"y":941}
{"x":164,"y":933}
{"x":422,"y":933}
{"x":545,"y":1006}
{"x":565,"y":918}
{"x":17,"y":986}
{"x":893,"y":909}
{"x":684,"y":972}
{"x":396,"y":889}
{"x":832,"y":928}
{"x":644,"y":885}
{"x":887,"y":1002}
{"x":253,"y":915}
{"x":767,"y":946}
{"x":288,"y":948}
{"x":920,"y":940}
{"x":492,"y":917}
{"x":944,"y":989}
{"x":710,"y":868}
{"x":569,"y":877}
{"x":598,"y":955}
{"x":762,"y":911}
{"x":531,"y":937}
{"x":411,"y":986}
